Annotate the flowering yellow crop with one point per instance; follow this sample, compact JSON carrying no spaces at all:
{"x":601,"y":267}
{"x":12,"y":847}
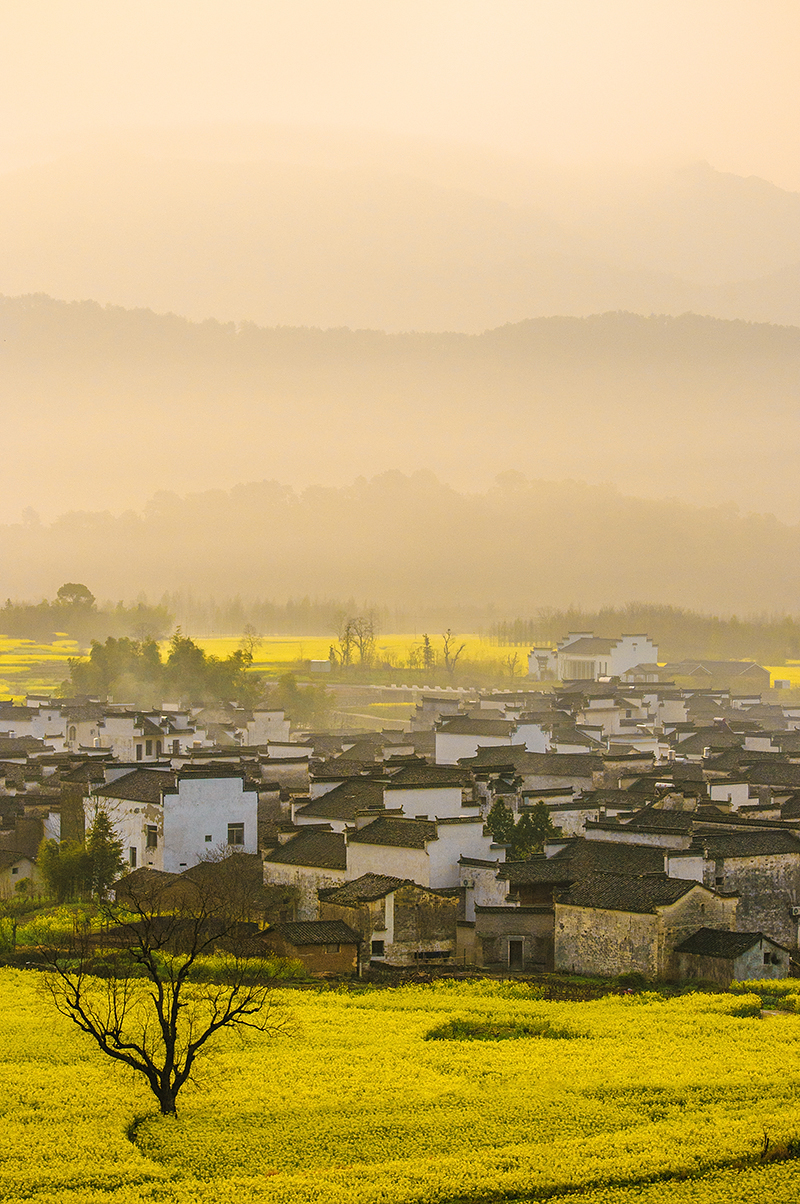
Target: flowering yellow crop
{"x":625,"y":1099}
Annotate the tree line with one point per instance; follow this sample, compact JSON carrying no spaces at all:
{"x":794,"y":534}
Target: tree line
{"x":74,"y":611}
{"x":678,"y":633}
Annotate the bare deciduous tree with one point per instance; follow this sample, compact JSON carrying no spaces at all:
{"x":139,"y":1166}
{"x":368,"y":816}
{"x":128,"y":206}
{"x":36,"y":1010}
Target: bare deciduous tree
{"x":451,"y":651}
{"x":152,"y":1009}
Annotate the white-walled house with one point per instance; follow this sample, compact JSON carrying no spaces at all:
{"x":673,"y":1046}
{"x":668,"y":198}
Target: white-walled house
{"x":426,"y":851}
{"x":462,"y":736}
{"x":170,"y":821}
{"x":583,"y":656}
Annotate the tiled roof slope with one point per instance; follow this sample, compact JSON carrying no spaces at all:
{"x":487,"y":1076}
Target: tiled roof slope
{"x":315,"y":932}
{"x":620,"y":892}
{"x":365,"y":889}
{"x":717,"y":942}
{"x":317,"y":847}
{"x":139,"y":786}
{"x":400,"y":833}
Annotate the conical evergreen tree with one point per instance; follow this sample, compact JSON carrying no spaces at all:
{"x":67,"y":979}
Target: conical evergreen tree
{"x":104,"y":850}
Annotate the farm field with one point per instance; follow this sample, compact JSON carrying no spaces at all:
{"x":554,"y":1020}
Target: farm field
{"x":625,"y":1098}
{"x":27,"y":667}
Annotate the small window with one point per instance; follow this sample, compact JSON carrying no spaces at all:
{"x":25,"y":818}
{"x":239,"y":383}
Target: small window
{"x":236,"y":834}
{"x":158,"y":748}
{"x":208,"y":839}
{"x":148,"y":748}
{"x":152,"y":836}
{"x":377,"y":948}
{"x":719,"y":881}
{"x":176,"y":747}
{"x":132,"y":858}
{"x":15,"y":869}
{"x":139,"y":751}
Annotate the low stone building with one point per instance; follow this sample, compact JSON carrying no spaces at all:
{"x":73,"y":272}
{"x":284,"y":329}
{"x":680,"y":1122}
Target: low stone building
{"x":508,"y":938}
{"x":608,"y":924}
{"x":311,"y":858}
{"x":399,"y":922}
{"x":723,"y":957}
{"x":323,"y":946}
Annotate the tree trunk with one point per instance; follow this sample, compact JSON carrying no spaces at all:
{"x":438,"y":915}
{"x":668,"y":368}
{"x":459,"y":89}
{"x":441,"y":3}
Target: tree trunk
{"x":166,"y":1100}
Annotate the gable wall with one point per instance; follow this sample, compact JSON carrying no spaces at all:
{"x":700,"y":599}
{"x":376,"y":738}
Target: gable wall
{"x":589,"y":940}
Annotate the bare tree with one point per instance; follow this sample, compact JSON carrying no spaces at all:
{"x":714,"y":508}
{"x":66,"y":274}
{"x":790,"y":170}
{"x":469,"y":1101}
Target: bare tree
{"x":346,"y":642}
{"x":364,"y":630}
{"x":153,"y":1009}
{"x":451,"y":652}
{"x":250,"y":643}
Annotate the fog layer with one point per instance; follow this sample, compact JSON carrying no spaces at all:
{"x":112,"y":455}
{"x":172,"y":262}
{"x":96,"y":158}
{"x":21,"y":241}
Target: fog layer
{"x":411,"y":542}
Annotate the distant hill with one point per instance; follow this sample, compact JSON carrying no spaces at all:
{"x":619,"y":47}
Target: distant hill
{"x":305,"y":228}
{"x":417,"y":544}
{"x":104,"y":406}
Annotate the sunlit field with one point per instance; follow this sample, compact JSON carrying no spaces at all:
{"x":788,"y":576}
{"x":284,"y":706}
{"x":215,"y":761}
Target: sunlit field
{"x":276,"y":651}
{"x":625,"y":1098}
{"x":27,"y":667}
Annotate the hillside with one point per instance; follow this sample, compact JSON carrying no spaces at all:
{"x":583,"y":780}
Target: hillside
{"x":111,"y":405}
{"x":313,"y":228}
{"x":412,"y":542}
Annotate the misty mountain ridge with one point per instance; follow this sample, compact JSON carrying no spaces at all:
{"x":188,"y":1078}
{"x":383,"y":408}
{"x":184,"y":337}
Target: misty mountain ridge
{"x":111,"y":405}
{"x":321,"y":228}
{"x":410,"y":541}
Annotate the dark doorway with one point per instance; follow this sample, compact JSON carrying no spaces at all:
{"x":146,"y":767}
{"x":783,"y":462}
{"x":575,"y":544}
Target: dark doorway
{"x":515,"y":955}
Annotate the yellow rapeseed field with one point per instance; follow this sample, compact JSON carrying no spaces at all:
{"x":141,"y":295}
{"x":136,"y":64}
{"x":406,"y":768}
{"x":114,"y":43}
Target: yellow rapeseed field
{"x":629,"y":1098}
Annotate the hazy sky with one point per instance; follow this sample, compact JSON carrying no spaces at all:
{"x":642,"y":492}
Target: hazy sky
{"x":572,"y":80}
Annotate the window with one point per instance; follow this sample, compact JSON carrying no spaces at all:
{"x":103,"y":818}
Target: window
{"x":377,"y":949}
{"x":132,"y":858}
{"x":766,"y":959}
{"x":176,"y":747}
{"x":152,"y":836}
{"x":72,"y":735}
{"x":15,"y":869}
{"x":235,"y":834}
{"x":138,"y":752}
{"x":148,"y":748}
{"x":158,"y":748}
{"x":208,"y":838}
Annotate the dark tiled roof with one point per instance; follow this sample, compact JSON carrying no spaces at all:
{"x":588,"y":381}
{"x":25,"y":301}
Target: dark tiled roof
{"x":139,"y":786}
{"x":9,"y":857}
{"x":517,"y":757}
{"x":538,"y":869}
{"x":421,"y":775}
{"x":400,"y":833}
{"x":346,"y":800}
{"x":744,"y":843}
{"x":589,"y":645}
{"x":621,"y":892}
{"x":613,"y":857}
{"x":318,"y":847}
{"x":717,"y":942}
{"x":774,"y":773}
{"x":365,"y":889}
{"x":315,"y":932}
{"x":656,"y":819}
{"x":463,"y":725}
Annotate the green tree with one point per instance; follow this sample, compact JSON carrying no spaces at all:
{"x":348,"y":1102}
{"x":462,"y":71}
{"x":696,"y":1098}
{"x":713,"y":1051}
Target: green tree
{"x":532,"y":829}
{"x":500,"y":822}
{"x":66,"y":869}
{"x":75,"y":594}
{"x":104,"y":851}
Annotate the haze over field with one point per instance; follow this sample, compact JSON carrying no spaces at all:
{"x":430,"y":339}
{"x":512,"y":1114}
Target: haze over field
{"x":306,"y":243}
